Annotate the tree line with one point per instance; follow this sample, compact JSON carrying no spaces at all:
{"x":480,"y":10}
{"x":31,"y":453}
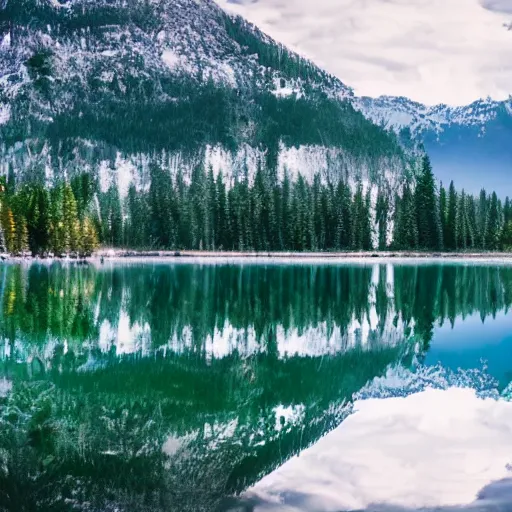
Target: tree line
{"x":263,"y":214}
{"x":295,"y":215}
{"x":39,"y":220}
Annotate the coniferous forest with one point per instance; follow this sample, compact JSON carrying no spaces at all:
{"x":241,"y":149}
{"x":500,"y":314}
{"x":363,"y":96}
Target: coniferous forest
{"x":203,"y":213}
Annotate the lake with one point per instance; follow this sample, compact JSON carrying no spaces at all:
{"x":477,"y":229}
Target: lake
{"x":195,"y":386}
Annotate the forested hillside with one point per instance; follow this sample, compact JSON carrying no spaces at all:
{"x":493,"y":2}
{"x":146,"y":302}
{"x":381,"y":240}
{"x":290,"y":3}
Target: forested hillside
{"x":85,"y":83}
{"x":289,"y":215}
{"x":127,"y":92}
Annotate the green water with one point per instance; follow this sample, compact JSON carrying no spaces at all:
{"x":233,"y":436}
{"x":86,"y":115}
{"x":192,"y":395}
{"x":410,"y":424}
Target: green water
{"x":175,"y":386}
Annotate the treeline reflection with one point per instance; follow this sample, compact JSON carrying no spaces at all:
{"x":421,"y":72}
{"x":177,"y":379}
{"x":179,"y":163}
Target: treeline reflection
{"x":187,"y":307}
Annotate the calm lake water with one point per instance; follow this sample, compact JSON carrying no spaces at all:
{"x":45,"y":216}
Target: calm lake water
{"x":173,"y":387}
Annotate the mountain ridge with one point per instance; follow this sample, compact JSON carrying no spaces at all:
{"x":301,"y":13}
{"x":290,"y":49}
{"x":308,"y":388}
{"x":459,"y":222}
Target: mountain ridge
{"x":468,"y":144}
{"x":398,"y":112}
{"x":88,"y":84}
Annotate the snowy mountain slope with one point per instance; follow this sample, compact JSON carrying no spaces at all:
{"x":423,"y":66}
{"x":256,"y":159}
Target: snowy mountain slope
{"x":94,"y":84}
{"x":400,"y":112}
{"x":469,"y":144}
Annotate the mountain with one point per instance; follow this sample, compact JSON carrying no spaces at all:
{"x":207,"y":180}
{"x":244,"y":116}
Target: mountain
{"x":113,"y":86}
{"x":469,"y":144}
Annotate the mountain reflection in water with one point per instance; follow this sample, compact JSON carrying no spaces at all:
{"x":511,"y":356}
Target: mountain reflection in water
{"x":175,"y":386}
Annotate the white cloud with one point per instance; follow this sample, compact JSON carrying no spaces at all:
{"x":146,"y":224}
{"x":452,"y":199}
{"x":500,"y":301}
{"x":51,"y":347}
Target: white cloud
{"x":435,"y":450}
{"x":433,"y":51}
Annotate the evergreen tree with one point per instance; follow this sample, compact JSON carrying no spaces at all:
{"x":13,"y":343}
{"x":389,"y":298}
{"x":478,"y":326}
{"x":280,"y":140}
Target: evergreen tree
{"x":89,"y":238}
{"x":443,"y":213}
{"x":21,"y":239}
{"x":58,"y":238}
{"x":262,"y":214}
{"x":83,"y":190}
{"x":70,"y":219}
{"x":461,"y":224}
{"x":427,"y":210}
{"x":38,"y":218}
{"x":358,"y":219}
{"x":406,"y":226}
{"x":506,"y":237}
{"x":367,"y":225}
{"x":507,"y":211}
{"x":211,"y":213}
{"x":111,"y":217}
{"x":162,"y":208}
{"x":9,"y":228}
{"x":451,"y":218}
{"x":493,"y":232}
{"x":382,"y":210}
{"x":482,"y":219}
{"x":223,"y":232}
{"x":3,"y":247}
{"x":137,"y":226}
{"x":286,"y":225}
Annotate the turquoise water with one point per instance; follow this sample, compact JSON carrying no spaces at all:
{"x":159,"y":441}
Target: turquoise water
{"x":158,"y":386}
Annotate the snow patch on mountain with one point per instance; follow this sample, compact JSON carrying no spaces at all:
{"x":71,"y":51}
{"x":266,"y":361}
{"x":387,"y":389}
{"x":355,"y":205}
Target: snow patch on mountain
{"x":5,"y":113}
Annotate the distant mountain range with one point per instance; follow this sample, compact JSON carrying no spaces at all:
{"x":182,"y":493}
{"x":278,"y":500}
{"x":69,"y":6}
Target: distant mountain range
{"x":469,"y":144}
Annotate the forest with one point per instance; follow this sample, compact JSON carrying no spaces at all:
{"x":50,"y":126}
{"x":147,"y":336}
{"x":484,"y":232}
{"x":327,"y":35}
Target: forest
{"x":264,"y":214}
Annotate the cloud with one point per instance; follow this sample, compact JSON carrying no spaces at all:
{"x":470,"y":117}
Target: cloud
{"x":497,"y":5}
{"x":433,"y":51}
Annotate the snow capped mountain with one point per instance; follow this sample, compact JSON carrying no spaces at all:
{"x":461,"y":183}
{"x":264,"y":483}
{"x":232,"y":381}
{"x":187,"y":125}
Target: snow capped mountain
{"x":53,"y":43}
{"x":468,"y":144}
{"x":113,"y":86}
{"x":400,"y":112}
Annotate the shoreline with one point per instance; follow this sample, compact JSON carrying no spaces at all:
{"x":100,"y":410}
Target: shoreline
{"x":120,"y":254}
{"x":176,"y":255}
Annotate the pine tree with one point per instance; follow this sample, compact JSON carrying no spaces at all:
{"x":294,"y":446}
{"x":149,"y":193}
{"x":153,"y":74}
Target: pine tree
{"x":286,"y":228}
{"x":89,"y":238}
{"x":9,"y":228}
{"x":406,"y":226}
{"x":21,"y":239}
{"x":507,"y":211}
{"x":493,"y":234}
{"x":70,"y":219}
{"x":443,"y":213}
{"x":112,"y":217}
{"x":451,"y":220}
{"x":319,"y":219}
{"x":223,"y":231}
{"x":471,"y":222}
{"x":506,"y":237}
{"x":83,"y":190}
{"x":161,"y":208}
{"x":461,"y":224}
{"x":358,"y":222}
{"x":38,"y":218}
{"x":211,"y":211}
{"x":482,"y":219}
{"x":427,"y":209}
{"x":382,"y":209}
{"x":58,"y":238}
{"x":367,"y":225}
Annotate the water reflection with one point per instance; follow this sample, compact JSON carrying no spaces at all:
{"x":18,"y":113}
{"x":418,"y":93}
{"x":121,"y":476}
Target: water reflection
{"x":170,"y":387}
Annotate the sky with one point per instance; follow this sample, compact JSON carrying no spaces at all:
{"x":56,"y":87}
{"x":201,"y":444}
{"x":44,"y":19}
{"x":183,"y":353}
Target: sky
{"x":432,"y":51}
